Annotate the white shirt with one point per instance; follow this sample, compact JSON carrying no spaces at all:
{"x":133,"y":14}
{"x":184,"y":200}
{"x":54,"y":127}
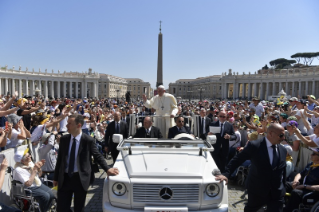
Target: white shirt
{"x":301,"y":125}
{"x":117,"y":124}
{"x":221,"y":128}
{"x":14,"y":138}
{"x":63,"y":124}
{"x":315,"y":139}
{"x":78,"y":140}
{"x":270,"y":150}
{"x":237,"y":141}
{"x":259,"y":109}
{"x":22,"y":175}
{"x":204,"y":124}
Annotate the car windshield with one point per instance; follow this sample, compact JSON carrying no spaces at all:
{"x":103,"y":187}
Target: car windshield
{"x":148,"y":143}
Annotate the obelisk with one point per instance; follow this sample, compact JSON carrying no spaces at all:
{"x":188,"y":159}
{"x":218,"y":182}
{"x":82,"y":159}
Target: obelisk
{"x":160,"y":59}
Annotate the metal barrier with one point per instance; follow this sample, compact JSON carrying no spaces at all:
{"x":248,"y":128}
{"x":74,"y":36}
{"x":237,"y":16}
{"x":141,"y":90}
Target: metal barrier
{"x":6,"y":187}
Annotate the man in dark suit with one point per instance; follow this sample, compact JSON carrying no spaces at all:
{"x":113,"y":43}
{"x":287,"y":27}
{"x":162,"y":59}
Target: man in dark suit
{"x":221,"y":147}
{"x":143,"y":113}
{"x":211,"y":113}
{"x":267,"y":175}
{"x":125,"y":117}
{"x":73,"y":172}
{"x":203,"y":124}
{"x":115,"y":127}
{"x":148,"y":131}
{"x":179,"y":128}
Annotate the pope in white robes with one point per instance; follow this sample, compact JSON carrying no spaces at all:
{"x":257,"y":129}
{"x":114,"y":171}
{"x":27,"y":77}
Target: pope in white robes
{"x":166,"y":109}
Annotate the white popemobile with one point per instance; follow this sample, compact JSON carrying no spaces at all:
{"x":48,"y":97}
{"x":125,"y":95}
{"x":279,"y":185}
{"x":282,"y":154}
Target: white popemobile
{"x":165,"y":175}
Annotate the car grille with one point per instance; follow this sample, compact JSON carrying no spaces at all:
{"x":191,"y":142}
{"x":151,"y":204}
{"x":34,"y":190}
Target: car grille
{"x":181,"y":193}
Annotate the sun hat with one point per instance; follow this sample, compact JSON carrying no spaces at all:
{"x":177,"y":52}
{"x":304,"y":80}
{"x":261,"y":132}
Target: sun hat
{"x":14,"y":118}
{"x":19,"y":155}
{"x":292,"y":123}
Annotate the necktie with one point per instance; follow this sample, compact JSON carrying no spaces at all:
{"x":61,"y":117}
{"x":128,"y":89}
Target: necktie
{"x":202,"y":128}
{"x":72,"y":158}
{"x":275,"y":157}
{"x":117,"y":130}
{"x":221,"y":129}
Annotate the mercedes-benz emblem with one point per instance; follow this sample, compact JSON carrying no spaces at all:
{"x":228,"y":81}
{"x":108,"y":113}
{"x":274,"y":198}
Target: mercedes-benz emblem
{"x":166,"y":193}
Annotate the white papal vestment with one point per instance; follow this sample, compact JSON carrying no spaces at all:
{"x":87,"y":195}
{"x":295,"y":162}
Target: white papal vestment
{"x":165,"y":105}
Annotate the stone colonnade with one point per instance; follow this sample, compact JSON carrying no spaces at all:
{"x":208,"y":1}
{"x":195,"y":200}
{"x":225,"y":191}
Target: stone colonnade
{"x":49,"y":87}
{"x":265,"y":89}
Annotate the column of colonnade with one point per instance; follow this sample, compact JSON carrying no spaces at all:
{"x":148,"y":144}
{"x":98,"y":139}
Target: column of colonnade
{"x":48,"y":87}
{"x":297,"y":87}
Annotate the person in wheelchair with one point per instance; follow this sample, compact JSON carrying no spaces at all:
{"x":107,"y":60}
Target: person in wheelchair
{"x":28,"y":174}
{"x":304,"y":182}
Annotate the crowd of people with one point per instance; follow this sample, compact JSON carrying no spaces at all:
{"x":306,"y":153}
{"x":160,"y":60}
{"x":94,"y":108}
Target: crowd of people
{"x":43,"y":122}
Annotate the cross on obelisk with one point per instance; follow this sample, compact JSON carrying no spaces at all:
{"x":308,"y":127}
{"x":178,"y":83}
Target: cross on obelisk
{"x":160,"y":58}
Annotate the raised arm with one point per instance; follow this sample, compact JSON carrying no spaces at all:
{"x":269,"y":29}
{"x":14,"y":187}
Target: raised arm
{"x":304,"y":139}
{"x":3,"y":170}
{"x":8,"y":104}
{"x":7,"y":112}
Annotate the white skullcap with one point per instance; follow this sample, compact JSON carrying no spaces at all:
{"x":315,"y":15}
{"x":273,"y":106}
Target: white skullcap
{"x":161,"y":86}
{"x":18,"y":156}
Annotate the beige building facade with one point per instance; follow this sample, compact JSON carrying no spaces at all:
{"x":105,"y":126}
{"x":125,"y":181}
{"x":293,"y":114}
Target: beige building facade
{"x":202,"y":87}
{"x":231,"y":85}
{"x":138,"y":87}
{"x":69,"y":84}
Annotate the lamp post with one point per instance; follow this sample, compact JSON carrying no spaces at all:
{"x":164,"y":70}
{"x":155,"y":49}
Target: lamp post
{"x":200,"y":93}
{"x":189,"y":95}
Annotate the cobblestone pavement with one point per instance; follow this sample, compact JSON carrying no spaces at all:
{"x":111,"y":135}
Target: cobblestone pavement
{"x":94,"y":197}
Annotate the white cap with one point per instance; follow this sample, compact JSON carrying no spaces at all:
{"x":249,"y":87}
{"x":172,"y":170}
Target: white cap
{"x":18,"y":156}
{"x":161,"y":86}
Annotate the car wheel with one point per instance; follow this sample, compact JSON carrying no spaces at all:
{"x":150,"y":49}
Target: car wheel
{"x":315,"y":207}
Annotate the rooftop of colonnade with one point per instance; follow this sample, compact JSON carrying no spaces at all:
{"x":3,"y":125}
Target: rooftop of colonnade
{"x":112,"y":79}
{"x":135,"y":81}
{"x":72,"y":74}
{"x":213,"y":78}
{"x":274,"y":73}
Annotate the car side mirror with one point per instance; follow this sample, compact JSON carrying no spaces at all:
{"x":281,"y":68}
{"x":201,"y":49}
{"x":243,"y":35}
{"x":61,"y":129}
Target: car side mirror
{"x":211,"y":139}
{"x":117,"y":138}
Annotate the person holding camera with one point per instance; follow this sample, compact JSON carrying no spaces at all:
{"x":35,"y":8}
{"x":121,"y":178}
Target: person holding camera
{"x":48,"y":152}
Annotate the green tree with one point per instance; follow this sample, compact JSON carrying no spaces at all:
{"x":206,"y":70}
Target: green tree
{"x":297,"y":56}
{"x":307,"y":57}
{"x":265,"y":67}
{"x":281,"y":62}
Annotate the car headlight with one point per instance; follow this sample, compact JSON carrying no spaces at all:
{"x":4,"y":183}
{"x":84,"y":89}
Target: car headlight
{"x":212,"y":190}
{"x":119,"y":189}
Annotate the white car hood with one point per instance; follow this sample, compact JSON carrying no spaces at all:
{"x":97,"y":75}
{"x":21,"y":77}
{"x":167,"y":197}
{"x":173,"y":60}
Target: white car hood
{"x":172,"y":164}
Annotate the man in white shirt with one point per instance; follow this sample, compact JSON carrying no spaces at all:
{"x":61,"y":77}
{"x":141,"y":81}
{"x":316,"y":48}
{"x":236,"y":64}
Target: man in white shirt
{"x":259,"y":108}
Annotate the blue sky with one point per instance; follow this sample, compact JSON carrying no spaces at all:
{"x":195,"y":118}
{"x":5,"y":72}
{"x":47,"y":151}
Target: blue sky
{"x":119,"y":37}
